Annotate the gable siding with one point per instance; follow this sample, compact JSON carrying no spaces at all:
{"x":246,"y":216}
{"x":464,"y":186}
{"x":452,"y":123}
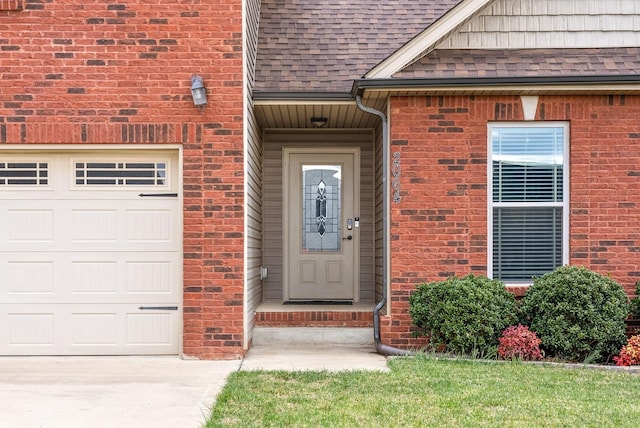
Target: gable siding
{"x":253,"y":176}
{"x":528,"y":24}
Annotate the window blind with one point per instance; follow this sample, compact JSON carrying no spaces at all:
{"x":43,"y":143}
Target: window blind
{"x":527,"y":201}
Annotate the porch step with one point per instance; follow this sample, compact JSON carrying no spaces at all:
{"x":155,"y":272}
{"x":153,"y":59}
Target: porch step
{"x":278,"y":315}
{"x":313,"y":336}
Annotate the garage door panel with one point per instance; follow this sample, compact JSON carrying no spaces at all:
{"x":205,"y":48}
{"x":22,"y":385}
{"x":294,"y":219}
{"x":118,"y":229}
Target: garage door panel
{"x":31,"y":327}
{"x":29,"y":277}
{"x":91,"y":278}
{"x":61,"y":226}
{"x":29,"y":225}
{"x":81,"y":251}
{"x":88,"y":330}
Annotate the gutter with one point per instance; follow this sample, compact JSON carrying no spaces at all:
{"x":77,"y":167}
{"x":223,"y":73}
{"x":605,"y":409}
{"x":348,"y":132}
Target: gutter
{"x":302,"y":96}
{"x":597,"y":83}
{"x":360,"y":85}
{"x":382,"y":348}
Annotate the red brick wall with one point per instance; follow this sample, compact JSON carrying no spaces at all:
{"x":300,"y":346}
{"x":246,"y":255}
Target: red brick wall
{"x":11,"y":5}
{"x":111,"y":71}
{"x":439,"y":228}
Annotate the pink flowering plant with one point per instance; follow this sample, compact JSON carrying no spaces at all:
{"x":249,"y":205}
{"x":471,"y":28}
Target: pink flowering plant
{"x":630,"y":353}
{"x":518,"y":342}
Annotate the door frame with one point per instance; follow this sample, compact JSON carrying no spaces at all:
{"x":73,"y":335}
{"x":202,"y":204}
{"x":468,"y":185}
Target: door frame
{"x":286,"y":152}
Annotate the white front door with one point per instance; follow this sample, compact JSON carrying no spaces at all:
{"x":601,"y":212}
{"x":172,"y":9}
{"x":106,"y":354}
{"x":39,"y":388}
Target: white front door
{"x":90,"y":253}
{"x":321,"y":224}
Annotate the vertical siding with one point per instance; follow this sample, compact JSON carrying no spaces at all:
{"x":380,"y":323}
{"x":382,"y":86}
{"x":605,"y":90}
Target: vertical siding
{"x":528,"y":24}
{"x":253,"y":176}
{"x":274,"y":141}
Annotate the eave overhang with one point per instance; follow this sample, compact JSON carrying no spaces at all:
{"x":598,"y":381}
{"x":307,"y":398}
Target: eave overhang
{"x":294,"y":109}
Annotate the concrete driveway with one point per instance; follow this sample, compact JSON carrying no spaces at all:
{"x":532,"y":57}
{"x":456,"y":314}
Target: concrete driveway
{"x":123,"y":392}
{"x":154,"y":392}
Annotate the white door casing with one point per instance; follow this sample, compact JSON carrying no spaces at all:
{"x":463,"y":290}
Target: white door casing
{"x":321,"y":231}
{"x":81,"y":252}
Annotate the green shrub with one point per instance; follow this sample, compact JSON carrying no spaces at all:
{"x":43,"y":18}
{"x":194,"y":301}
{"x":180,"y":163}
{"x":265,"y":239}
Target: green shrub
{"x":578,"y":314}
{"x":466,"y":314}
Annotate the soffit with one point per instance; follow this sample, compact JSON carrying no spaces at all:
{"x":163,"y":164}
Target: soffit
{"x":297,"y":114}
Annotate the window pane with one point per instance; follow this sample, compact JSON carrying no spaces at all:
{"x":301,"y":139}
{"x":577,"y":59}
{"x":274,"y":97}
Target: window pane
{"x":526,"y":242}
{"x":121,"y":174}
{"x":23,"y":173}
{"x":527,"y":164}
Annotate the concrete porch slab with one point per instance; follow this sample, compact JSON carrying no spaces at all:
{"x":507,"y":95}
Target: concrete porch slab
{"x":330,"y":358}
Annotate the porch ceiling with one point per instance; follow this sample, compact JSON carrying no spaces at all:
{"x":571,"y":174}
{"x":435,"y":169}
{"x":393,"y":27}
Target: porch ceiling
{"x":297,"y":113}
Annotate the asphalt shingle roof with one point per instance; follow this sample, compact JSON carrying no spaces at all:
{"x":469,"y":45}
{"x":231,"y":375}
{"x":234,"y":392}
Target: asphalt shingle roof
{"x":458,"y":63}
{"x":323,"y":45}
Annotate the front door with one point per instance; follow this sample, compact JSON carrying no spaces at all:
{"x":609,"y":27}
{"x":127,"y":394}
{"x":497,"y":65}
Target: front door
{"x":321,"y":224}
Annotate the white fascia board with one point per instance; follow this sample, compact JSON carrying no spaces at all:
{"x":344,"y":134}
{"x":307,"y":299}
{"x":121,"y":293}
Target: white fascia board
{"x":423,"y":41}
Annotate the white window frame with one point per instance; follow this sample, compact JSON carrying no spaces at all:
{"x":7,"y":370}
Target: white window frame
{"x":565,"y":204}
{"x":168,"y":184}
{"x":25,"y":159}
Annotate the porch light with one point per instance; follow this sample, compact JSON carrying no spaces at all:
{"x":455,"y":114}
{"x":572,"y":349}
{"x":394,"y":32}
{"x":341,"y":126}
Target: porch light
{"x":319,"y":122}
{"x":198,"y":91}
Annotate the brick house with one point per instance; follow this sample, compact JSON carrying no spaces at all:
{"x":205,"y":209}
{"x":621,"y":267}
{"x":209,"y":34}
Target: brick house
{"x":343,"y":156}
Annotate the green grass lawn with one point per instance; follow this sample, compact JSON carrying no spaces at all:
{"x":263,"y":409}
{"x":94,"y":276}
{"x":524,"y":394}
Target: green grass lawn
{"x":424,"y":391}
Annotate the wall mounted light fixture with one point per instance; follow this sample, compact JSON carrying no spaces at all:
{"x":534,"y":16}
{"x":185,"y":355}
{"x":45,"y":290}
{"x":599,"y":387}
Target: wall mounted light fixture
{"x":319,"y":122}
{"x":198,"y":91}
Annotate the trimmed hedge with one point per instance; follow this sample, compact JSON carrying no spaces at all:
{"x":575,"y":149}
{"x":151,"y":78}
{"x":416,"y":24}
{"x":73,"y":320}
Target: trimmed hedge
{"x":578,"y":314}
{"x":466,"y":314}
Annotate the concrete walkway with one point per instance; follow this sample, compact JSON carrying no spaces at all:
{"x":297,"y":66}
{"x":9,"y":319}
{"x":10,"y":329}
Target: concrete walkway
{"x":155,"y":392}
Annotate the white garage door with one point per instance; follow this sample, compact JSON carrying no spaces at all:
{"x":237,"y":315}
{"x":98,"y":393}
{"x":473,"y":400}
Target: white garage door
{"x":90,"y":253}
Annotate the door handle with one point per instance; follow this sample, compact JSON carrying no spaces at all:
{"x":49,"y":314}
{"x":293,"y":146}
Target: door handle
{"x":348,"y":237}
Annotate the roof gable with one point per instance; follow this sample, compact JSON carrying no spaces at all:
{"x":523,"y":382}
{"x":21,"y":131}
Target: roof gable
{"x":537,"y":38}
{"x":428,"y":38}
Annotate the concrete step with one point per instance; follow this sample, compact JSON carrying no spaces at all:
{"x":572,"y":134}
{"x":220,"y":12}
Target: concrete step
{"x":313,"y":336}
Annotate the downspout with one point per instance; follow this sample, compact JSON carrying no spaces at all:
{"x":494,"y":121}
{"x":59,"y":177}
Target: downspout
{"x":382,"y":348}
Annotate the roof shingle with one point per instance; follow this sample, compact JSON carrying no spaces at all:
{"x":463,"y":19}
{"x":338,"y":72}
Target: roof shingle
{"x":322,"y":46}
{"x":459,"y":63}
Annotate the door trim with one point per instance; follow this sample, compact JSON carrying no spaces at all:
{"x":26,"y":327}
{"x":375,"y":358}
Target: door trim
{"x":286,"y":152}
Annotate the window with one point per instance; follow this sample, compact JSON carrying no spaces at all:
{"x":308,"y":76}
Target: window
{"x":105,"y":173}
{"x":24,"y":173}
{"x":528,"y":207}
